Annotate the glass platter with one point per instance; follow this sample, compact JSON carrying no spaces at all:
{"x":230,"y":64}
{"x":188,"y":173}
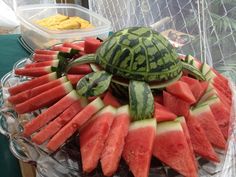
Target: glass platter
{"x":66,"y":162}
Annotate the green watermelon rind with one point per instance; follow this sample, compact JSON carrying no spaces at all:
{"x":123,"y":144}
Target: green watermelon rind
{"x":168,"y":126}
{"x":68,"y":87}
{"x":95,"y":68}
{"x":123,"y":110}
{"x":212,"y":100}
{"x":205,"y":69}
{"x":180,"y":119}
{"x":208,"y":94}
{"x":200,"y":109}
{"x":97,"y":103}
{"x":143,"y":123}
{"x":191,"y":60}
{"x":106,"y":109}
{"x":210,"y":75}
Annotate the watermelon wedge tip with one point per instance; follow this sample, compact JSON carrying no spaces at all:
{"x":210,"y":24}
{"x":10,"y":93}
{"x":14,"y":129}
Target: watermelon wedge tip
{"x":138,"y":147}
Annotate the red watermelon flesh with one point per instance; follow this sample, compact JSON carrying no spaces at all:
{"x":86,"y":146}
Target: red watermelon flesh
{"x":138,"y":147}
{"x":34,"y":72}
{"x":45,"y":52}
{"x":200,"y":142}
{"x":52,"y":112}
{"x":44,"y":57}
{"x":25,"y":95}
{"x":74,"y":78}
{"x":54,"y":126}
{"x":187,"y":136}
{"x":171,"y":147}
{"x":158,"y":99}
{"x":32,"y":83}
{"x":91,"y":45}
{"x":214,"y":91}
{"x":204,"y":86}
{"x":44,"y":63}
{"x":181,"y":90}
{"x":210,"y":72}
{"x":221,"y":114}
{"x":115,"y":142}
{"x":220,"y":76}
{"x":44,"y":99}
{"x":227,"y":98}
{"x":175,"y":104}
{"x":93,"y":136}
{"x":224,"y":91}
{"x":222,"y":85}
{"x":62,"y":49}
{"x":194,"y":86}
{"x":109,"y":99}
{"x":161,"y":113}
{"x":75,"y":124}
{"x":80,"y":69}
{"x":207,"y":121}
{"x":73,"y":46}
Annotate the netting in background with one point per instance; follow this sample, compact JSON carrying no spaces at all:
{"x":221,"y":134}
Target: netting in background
{"x":207,"y":29}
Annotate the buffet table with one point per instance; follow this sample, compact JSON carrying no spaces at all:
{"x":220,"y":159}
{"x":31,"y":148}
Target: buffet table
{"x":10,"y":52}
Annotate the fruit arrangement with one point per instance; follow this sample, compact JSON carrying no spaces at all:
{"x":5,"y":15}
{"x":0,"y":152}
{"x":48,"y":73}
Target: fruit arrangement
{"x":131,"y":97}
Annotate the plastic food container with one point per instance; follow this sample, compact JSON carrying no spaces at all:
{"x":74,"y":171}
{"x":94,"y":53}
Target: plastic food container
{"x":38,"y":37}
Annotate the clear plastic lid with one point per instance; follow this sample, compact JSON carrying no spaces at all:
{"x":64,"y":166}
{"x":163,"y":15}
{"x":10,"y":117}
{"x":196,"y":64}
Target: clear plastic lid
{"x":28,"y":14}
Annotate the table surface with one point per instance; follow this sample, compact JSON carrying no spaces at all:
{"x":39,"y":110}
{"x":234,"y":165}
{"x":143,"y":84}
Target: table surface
{"x":11,"y":51}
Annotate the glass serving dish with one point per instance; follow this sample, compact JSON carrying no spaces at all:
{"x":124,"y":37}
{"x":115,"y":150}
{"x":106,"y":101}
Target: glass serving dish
{"x":66,"y":162}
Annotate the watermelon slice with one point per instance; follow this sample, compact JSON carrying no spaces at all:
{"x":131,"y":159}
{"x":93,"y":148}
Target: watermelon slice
{"x":158,"y":99}
{"x":44,"y":99}
{"x":187,"y":136}
{"x":218,"y":82}
{"x":109,"y":99}
{"x":93,"y":136}
{"x":74,"y":78}
{"x":80,"y":69}
{"x":91,"y":45}
{"x":210,"y":72}
{"x":175,"y":104}
{"x":25,"y":95}
{"x":68,"y":50}
{"x":171,"y":147}
{"x":115,"y":142}
{"x":181,"y":90}
{"x":52,"y":112}
{"x":44,"y":57}
{"x":161,"y":113}
{"x":74,"y":46}
{"x":34,"y":72}
{"x":53,"y":63}
{"x":53,"y":127}
{"x":221,"y":114}
{"x":32,"y":83}
{"x":204,"y":87}
{"x":200,"y":142}
{"x":214,"y":91}
{"x":194,"y":86}
{"x":207,"y":121}
{"x":138,"y":147}
{"x":71,"y":127}
{"x":46,"y":52}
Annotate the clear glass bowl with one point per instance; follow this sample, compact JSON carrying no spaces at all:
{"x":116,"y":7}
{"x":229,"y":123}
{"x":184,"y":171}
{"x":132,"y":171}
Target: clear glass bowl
{"x":66,"y":162}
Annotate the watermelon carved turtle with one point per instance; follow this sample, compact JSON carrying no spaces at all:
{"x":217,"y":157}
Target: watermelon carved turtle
{"x":136,"y":57}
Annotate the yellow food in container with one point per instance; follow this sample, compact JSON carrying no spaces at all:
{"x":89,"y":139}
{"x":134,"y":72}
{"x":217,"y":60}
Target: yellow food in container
{"x":62,"y":22}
